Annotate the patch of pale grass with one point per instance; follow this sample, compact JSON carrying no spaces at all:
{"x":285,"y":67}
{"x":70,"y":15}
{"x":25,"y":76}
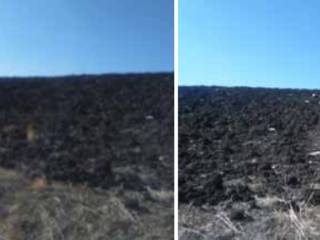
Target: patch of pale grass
{"x":41,"y":210}
{"x":298,"y":225}
{"x":161,"y":195}
{"x":268,"y":201}
{"x":66,"y":213}
{"x":9,"y":174}
{"x":226,"y":221}
{"x":269,"y":222}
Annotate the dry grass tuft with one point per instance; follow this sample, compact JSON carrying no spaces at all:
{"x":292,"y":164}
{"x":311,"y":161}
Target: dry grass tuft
{"x":303,"y":224}
{"x":38,"y":184}
{"x":267,"y":223}
{"x":161,"y":195}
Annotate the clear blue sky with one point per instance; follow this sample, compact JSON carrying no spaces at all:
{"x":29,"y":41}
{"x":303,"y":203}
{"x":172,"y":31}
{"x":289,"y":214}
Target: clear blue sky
{"x":57,"y":37}
{"x":272,"y":43}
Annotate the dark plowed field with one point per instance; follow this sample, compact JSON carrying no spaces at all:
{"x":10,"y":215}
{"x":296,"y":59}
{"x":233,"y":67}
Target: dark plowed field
{"x":237,"y":144}
{"x":82,"y":129}
{"x":83,"y":157}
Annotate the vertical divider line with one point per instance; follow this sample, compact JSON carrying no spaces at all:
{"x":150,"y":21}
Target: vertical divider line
{"x":176,"y":81}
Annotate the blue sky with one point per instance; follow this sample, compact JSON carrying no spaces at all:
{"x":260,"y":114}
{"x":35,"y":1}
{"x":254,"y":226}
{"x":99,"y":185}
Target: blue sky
{"x":57,"y":37}
{"x":269,"y":43}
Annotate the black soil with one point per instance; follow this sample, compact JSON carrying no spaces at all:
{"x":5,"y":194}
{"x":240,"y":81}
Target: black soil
{"x":240,"y":143}
{"x":81,"y":128}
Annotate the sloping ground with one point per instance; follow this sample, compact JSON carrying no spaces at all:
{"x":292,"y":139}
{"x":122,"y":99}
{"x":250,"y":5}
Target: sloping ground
{"x":246,"y":154}
{"x":87,"y":156}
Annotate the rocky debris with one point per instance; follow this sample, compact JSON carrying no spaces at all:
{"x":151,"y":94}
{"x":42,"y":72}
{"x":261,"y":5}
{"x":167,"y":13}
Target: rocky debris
{"x":316,"y":153}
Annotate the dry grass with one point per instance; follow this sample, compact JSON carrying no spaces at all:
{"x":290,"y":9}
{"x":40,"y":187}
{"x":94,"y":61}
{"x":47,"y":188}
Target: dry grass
{"x":164,"y":196}
{"x":299,"y":225}
{"x":267,"y":223}
{"x":36,"y":210}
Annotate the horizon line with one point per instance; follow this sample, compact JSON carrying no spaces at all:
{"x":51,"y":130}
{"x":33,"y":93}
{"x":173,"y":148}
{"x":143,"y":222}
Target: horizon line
{"x":244,"y":86}
{"x":87,"y":74}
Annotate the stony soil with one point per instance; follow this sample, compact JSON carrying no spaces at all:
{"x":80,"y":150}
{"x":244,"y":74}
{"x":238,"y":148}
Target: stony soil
{"x":244,"y":151}
{"x":109,"y":135}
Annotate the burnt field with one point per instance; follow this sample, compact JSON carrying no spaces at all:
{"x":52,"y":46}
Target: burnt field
{"x":249,"y":163}
{"x":87,"y":140}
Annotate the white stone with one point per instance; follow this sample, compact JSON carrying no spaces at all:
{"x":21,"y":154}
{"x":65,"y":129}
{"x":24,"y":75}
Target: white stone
{"x":316,"y":153}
